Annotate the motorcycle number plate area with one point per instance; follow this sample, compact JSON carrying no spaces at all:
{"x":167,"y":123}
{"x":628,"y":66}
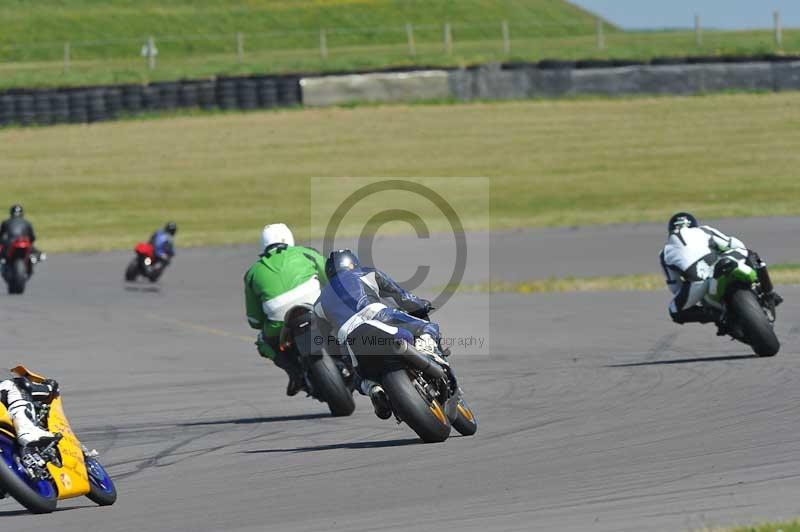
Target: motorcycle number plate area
{"x":72,"y":478}
{"x":309,"y":341}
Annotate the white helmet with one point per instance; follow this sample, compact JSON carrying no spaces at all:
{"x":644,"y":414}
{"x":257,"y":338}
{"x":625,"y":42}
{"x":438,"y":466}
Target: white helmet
{"x":276,"y":234}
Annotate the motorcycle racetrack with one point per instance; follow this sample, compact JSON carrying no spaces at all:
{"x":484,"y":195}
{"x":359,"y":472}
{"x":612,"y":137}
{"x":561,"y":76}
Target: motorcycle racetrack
{"x":596,"y":412}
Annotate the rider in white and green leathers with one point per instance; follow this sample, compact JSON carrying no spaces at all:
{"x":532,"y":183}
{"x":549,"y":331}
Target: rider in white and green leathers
{"x":284,"y":276}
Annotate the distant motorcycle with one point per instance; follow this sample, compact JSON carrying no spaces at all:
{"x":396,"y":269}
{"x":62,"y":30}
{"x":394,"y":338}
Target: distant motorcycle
{"x":39,"y":477}
{"x":422,"y":389}
{"x":142,"y":264}
{"x":328,"y":376}
{"x":18,"y":259}
{"x":739,"y":293}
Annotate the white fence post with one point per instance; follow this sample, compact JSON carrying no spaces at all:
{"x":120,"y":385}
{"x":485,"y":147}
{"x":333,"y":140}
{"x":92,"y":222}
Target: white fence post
{"x":698,"y":31}
{"x":151,"y":52}
{"x":778,"y":30}
{"x":601,"y":40}
{"x":240,"y":46}
{"x":448,"y":39}
{"x":506,"y":38}
{"x":323,"y":43}
{"x":66,"y":57}
{"x":412,"y":48}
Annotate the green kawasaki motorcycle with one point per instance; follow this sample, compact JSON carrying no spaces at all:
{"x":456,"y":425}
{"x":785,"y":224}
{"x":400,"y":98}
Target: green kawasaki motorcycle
{"x":741,"y":291}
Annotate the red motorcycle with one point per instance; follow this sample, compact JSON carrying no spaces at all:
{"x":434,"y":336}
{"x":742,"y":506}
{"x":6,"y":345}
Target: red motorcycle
{"x":142,"y":263}
{"x":18,"y":259}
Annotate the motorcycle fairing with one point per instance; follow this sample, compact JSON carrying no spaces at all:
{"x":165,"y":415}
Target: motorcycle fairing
{"x":72,"y":478}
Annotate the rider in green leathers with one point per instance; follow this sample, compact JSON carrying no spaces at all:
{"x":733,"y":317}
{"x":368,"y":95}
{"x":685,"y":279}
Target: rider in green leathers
{"x":284,"y":276}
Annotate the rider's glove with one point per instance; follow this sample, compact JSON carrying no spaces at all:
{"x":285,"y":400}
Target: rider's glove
{"x":53,"y":385}
{"x":724,"y":266}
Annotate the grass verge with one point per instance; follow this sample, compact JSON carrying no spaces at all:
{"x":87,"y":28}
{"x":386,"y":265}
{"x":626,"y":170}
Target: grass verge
{"x":781,"y":274}
{"x":785,"y":526}
{"x":550,"y":163}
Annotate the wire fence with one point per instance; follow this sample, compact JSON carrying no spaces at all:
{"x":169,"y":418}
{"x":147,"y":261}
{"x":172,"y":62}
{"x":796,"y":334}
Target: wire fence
{"x":157,"y":56}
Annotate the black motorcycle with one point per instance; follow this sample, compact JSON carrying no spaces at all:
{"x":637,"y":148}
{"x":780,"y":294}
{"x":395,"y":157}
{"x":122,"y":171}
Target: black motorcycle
{"x":422,"y":389}
{"x":328,"y":375}
{"x":16,"y":263}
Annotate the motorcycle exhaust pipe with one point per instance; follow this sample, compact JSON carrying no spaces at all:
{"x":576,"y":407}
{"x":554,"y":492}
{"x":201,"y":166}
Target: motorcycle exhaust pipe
{"x":419,"y":361}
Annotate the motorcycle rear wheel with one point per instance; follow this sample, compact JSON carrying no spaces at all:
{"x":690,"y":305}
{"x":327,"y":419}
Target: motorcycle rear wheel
{"x":425,"y":417}
{"x":18,"y":276}
{"x":329,"y":384}
{"x":757,"y":328}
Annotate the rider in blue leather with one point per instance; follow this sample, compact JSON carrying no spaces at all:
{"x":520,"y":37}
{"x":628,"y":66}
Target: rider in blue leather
{"x":163,"y":242}
{"x":352,"y":297}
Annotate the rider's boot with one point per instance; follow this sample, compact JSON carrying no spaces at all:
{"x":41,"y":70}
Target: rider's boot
{"x":21,"y":412}
{"x":291,"y":366}
{"x":380,"y":401}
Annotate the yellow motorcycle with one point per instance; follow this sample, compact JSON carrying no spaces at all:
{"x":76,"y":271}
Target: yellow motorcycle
{"x":39,"y":477}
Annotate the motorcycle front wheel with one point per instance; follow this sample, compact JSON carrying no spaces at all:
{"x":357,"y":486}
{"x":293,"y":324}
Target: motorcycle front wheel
{"x":103,"y":492}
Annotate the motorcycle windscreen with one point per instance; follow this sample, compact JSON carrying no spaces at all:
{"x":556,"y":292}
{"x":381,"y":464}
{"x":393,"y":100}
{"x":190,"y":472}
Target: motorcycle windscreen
{"x":72,"y":478}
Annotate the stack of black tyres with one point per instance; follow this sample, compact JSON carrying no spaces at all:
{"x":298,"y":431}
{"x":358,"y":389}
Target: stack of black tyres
{"x":26,"y":111}
{"x":42,"y":104}
{"x":188,"y":95}
{"x":227,"y":93}
{"x":267,"y":90}
{"x":78,"y":106}
{"x":113,"y":97}
{"x":168,"y":95}
{"x":96,"y":105}
{"x":59,"y":107}
{"x":151,"y":98}
{"x":7,"y":113}
{"x":207,"y":94}
{"x":132,"y":98}
{"x":289,"y":90}
{"x":246,"y":94}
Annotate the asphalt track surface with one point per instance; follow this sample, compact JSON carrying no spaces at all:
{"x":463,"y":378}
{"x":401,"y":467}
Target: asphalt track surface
{"x":595,"y":412}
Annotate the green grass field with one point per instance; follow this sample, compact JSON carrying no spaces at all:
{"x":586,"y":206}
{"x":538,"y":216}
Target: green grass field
{"x":198,"y":39}
{"x":781,"y":274}
{"x":551,"y":163}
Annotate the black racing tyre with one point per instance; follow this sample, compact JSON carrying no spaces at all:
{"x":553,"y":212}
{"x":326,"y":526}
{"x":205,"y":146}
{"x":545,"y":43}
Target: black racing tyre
{"x":101,"y":488}
{"x":25,"y":494}
{"x":466,"y":423}
{"x":18,"y":276}
{"x":427,"y":419}
{"x":132,"y":271}
{"x":754,"y":322}
{"x":328,"y":382}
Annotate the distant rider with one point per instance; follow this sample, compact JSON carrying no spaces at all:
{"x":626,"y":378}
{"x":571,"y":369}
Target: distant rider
{"x":163,"y":242}
{"x":688,"y":260}
{"x":284,"y":276}
{"x":353,"y":296}
{"x":16,"y":227}
{"x":18,"y":395}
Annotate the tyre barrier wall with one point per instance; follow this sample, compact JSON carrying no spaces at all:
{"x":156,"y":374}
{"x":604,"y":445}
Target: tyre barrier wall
{"x":96,"y":104}
{"x":496,"y":82}
{"x":546,"y":78}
